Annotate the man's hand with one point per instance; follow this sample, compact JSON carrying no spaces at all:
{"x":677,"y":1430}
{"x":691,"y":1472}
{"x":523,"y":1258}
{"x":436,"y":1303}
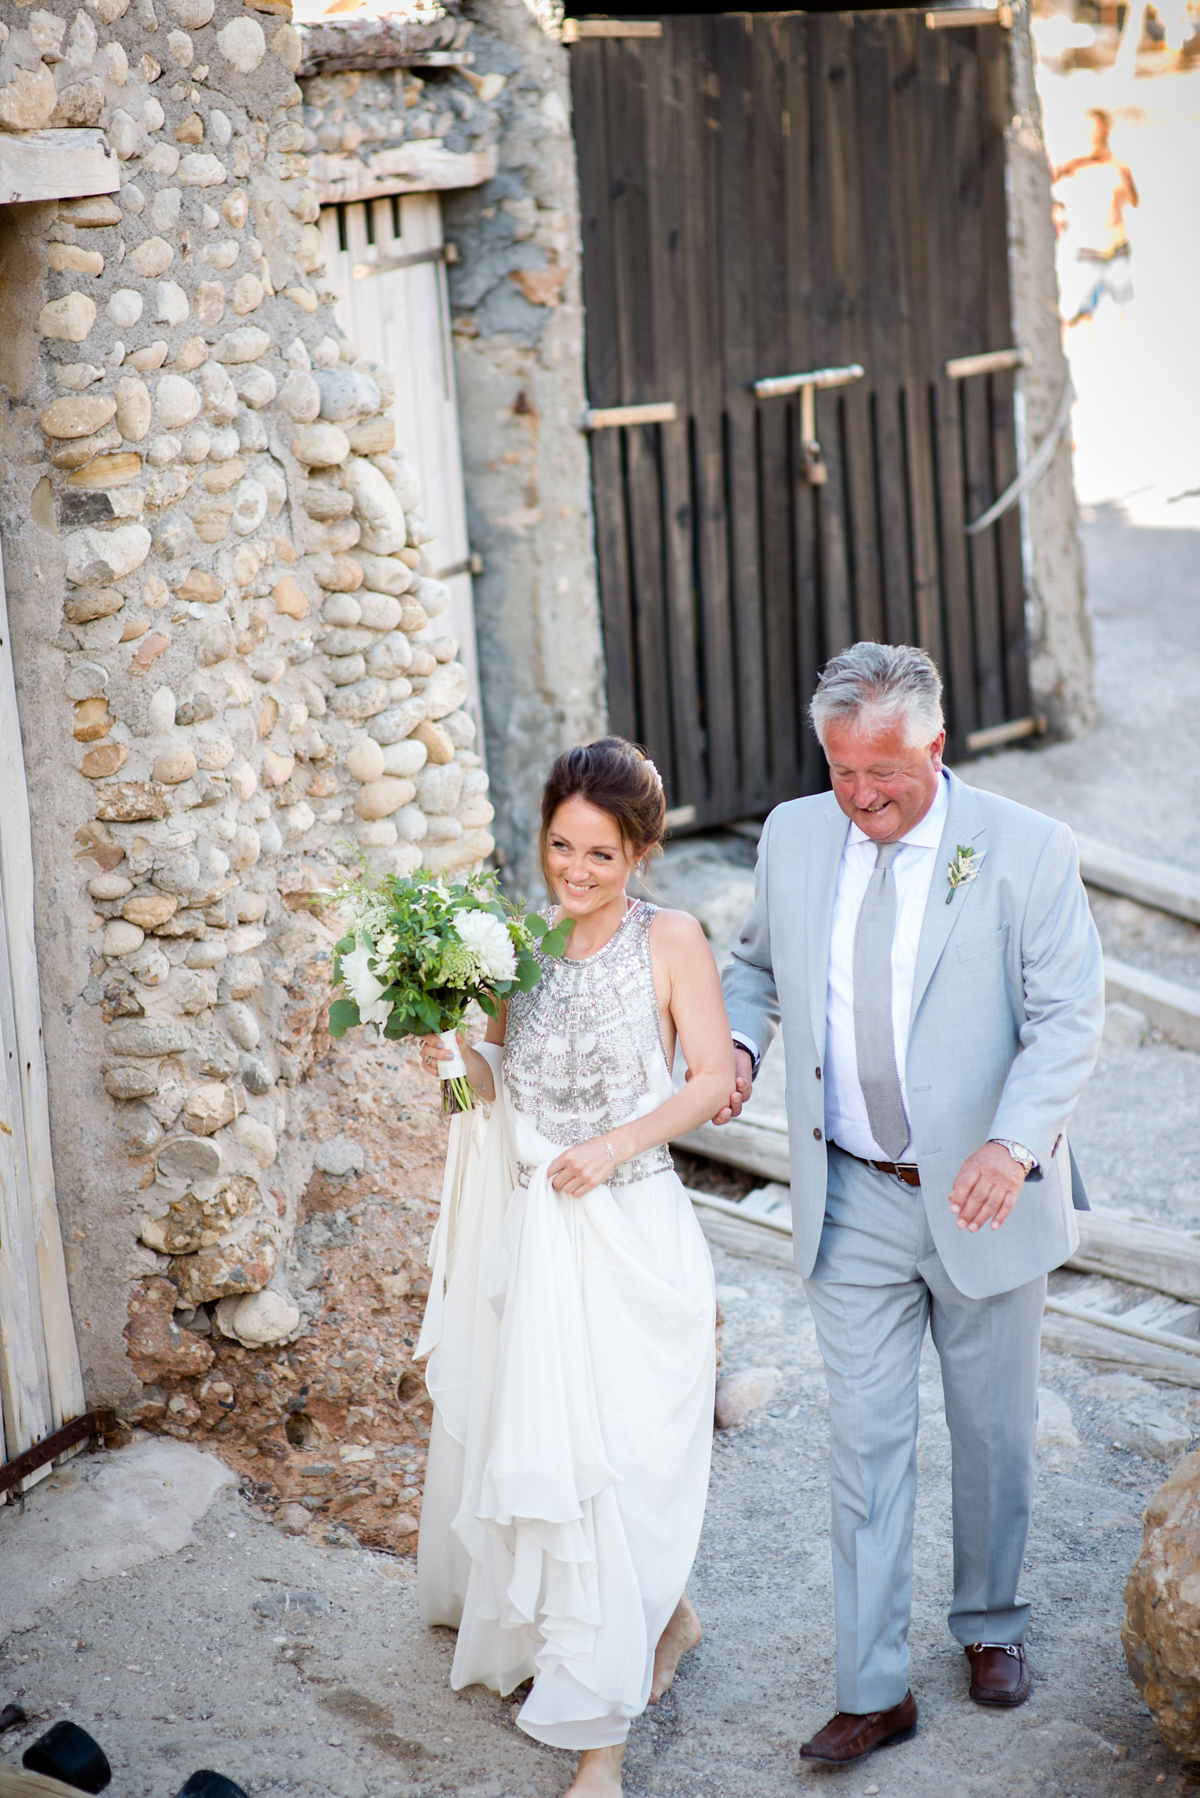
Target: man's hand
{"x":986,"y":1188}
{"x":743,"y":1085}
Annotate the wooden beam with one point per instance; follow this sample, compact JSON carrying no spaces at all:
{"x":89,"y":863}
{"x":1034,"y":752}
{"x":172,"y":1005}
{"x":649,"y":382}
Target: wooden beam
{"x":991,"y":362}
{"x":1126,"y":1248}
{"x":424,"y":166}
{"x":575,"y":30}
{"x":1174,"y":1008}
{"x":754,"y":1148}
{"x":55,"y":165}
{"x":606,"y":418}
{"x":996,"y":735}
{"x":1160,"y":884}
{"x":952,"y":18}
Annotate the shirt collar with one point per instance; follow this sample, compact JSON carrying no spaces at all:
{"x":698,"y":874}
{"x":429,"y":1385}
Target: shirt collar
{"x":925,"y":835}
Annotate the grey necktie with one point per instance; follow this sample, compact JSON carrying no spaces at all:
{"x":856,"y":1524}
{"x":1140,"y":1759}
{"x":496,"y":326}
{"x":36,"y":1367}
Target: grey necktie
{"x":873,"y":1039}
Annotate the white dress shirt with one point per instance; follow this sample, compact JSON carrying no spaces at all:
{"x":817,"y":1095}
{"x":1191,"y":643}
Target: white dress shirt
{"x":912,"y":871}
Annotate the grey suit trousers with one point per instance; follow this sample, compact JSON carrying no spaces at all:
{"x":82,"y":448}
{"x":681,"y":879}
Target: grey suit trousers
{"x":877,"y":1282}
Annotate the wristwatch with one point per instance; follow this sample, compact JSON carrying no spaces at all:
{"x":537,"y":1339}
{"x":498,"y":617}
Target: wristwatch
{"x":1018,"y":1151}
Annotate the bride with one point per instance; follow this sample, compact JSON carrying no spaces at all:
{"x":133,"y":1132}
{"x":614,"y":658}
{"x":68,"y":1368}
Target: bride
{"x":570,"y":1325}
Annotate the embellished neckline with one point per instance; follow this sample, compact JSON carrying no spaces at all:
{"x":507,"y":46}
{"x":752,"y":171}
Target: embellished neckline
{"x":583,"y":961}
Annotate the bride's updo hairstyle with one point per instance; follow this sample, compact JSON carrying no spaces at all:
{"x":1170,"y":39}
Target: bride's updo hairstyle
{"x":616,"y":777}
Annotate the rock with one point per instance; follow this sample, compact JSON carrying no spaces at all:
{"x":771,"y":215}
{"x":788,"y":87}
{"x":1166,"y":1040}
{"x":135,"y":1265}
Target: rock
{"x":396,"y":722}
{"x":103,"y":471}
{"x":255,"y":384}
{"x":1055,"y":1427}
{"x":172,"y":304}
{"x":174,"y":764}
{"x":338,"y":1156}
{"x":345,"y":394}
{"x":28,"y":99}
{"x":248,"y":293}
{"x":98,"y":210}
{"x":176,"y":403}
{"x":130,"y":1083}
{"x":109,"y":886}
{"x":445,"y":691}
{"x":412,"y":826}
{"x":439,"y":788}
{"x":290,"y":599}
{"x":1161,"y":1631}
{"x":79,"y":104}
{"x":208,"y":1107}
{"x":256,"y":1137}
{"x":300,"y":397}
{"x":78,"y":414}
{"x":202,"y":169}
{"x":189,"y":1158}
{"x":71,"y":318}
{"x":372,"y":437}
{"x":265,"y":1317}
{"x":379,"y":511}
{"x":158,"y":1348}
{"x":141,"y":1038}
{"x":475,"y":812}
{"x":338,"y":574}
{"x":246,"y":344}
{"x":243,"y":44}
{"x":121,"y":938}
{"x":293,"y":1519}
{"x":360,"y":700}
{"x":740,"y":1393}
{"x":99,"y":763}
{"x":364,"y":759}
{"x":432,"y":596}
{"x":149,"y":910}
{"x":129,"y":801}
{"x":380,"y":798}
{"x":293,"y":1604}
{"x":321,"y":446}
{"x":202,"y":1215}
{"x":133,"y":408}
{"x":190,"y":14}
{"x":94,"y":555}
{"x":153,"y":256}
{"x":379,"y":611}
{"x":244,"y":1264}
{"x":407,"y":757}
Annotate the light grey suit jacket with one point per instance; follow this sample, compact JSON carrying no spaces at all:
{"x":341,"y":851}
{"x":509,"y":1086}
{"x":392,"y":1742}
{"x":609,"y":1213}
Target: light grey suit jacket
{"x":1007,"y":1011}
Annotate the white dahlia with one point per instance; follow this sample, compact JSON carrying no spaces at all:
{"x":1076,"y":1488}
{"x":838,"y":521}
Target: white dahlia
{"x":362,"y":985}
{"x":488,"y":940}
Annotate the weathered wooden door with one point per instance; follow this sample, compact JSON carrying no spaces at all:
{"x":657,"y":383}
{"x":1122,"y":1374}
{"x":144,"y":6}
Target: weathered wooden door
{"x":385,"y":260}
{"x":763,"y":195}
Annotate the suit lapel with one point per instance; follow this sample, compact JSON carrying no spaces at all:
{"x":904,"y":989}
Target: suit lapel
{"x":824,"y":866}
{"x":964,"y":824}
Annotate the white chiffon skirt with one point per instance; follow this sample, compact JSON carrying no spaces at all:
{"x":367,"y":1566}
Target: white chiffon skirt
{"x":571,"y":1361}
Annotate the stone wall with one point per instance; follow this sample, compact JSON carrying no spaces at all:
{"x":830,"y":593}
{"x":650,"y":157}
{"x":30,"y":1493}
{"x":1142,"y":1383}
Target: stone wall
{"x":231,"y":674}
{"x":515,"y":293}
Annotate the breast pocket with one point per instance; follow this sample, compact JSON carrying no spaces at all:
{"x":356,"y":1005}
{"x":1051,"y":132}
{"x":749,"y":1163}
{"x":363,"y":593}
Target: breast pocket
{"x":990,"y":942}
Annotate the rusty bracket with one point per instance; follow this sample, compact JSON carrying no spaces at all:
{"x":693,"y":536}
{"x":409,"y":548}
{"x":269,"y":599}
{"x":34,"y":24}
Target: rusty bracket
{"x":100,"y":1423}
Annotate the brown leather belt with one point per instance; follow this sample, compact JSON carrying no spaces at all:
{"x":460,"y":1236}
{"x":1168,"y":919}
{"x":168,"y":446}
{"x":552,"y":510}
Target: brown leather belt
{"x":908,"y":1171}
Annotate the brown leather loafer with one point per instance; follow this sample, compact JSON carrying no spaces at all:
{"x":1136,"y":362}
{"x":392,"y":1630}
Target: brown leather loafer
{"x":999,"y":1673}
{"x":848,"y":1737}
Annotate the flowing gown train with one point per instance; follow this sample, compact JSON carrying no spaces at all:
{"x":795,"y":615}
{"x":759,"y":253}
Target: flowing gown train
{"x":571,"y":1362}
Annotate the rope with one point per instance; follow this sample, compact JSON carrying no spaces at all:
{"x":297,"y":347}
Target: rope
{"x":1035,"y":468}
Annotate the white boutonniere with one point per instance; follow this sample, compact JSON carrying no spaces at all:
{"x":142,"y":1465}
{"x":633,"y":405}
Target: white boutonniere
{"x":963,"y":869}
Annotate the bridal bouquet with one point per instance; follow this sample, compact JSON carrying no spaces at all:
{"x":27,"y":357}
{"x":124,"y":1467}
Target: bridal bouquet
{"x":418,"y":951}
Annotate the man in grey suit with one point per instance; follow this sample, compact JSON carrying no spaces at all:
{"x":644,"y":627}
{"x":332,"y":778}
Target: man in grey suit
{"x":929,"y":953}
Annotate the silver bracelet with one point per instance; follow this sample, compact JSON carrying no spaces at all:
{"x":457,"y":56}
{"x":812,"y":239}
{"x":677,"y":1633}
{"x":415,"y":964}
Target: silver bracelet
{"x":611,"y":1154}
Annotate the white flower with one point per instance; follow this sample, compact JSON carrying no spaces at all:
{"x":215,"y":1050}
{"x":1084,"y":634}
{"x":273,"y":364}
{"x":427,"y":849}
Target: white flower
{"x":362,"y":985}
{"x":489,"y":941}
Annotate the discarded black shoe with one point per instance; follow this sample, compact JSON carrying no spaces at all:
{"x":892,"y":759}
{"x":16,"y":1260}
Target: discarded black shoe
{"x":207,"y":1784}
{"x":69,"y":1754}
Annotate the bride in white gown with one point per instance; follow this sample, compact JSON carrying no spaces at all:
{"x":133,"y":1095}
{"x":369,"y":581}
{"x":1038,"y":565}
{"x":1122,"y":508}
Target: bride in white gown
{"x":570,"y":1324}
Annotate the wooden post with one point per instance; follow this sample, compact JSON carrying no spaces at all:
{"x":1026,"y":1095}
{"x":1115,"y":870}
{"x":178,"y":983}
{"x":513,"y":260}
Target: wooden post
{"x":50,"y":1301}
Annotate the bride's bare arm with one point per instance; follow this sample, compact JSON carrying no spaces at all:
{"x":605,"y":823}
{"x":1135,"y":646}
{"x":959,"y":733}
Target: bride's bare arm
{"x":478,"y":1071}
{"x":683,"y":960}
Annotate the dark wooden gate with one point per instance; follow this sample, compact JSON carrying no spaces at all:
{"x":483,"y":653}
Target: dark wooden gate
{"x":766,"y":194}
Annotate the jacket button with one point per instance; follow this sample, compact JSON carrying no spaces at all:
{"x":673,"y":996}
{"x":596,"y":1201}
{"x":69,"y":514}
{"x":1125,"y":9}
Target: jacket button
{"x":816,"y":1136}
{"x":818,"y":1073}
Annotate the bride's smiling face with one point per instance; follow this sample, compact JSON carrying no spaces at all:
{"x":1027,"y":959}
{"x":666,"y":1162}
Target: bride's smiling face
{"x":586,"y":860}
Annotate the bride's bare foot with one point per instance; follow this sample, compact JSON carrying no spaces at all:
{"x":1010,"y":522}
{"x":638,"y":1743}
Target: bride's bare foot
{"x":682,"y":1632}
{"x":598,"y":1774}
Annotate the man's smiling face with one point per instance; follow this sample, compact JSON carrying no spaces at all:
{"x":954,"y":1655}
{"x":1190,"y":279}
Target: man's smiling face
{"x":882,"y":781}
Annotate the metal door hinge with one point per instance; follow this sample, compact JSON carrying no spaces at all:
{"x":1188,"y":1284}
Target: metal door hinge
{"x":384,"y":265}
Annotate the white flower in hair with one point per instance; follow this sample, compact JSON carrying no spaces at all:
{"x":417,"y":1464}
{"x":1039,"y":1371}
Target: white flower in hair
{"x":658,"y":777}
{"x":488,"y":940}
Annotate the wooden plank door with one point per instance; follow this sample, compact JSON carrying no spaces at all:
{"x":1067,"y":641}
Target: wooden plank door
{"x":400,"y":317}
{"x":41,"y":1385}
{"x":764,"y":194}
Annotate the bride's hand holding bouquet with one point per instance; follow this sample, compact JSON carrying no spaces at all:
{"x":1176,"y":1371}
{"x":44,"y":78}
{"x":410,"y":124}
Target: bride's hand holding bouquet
{"x":417,"y":952}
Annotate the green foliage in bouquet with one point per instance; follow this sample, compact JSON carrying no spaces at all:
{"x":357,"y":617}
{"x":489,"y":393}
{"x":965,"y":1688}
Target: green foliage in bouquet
{"x":419,"y":951}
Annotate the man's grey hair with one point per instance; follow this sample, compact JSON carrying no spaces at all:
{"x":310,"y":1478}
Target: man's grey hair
{"x":871,"y":686}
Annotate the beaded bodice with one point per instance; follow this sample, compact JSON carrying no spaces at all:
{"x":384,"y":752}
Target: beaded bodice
{"x":583,"y":1051}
